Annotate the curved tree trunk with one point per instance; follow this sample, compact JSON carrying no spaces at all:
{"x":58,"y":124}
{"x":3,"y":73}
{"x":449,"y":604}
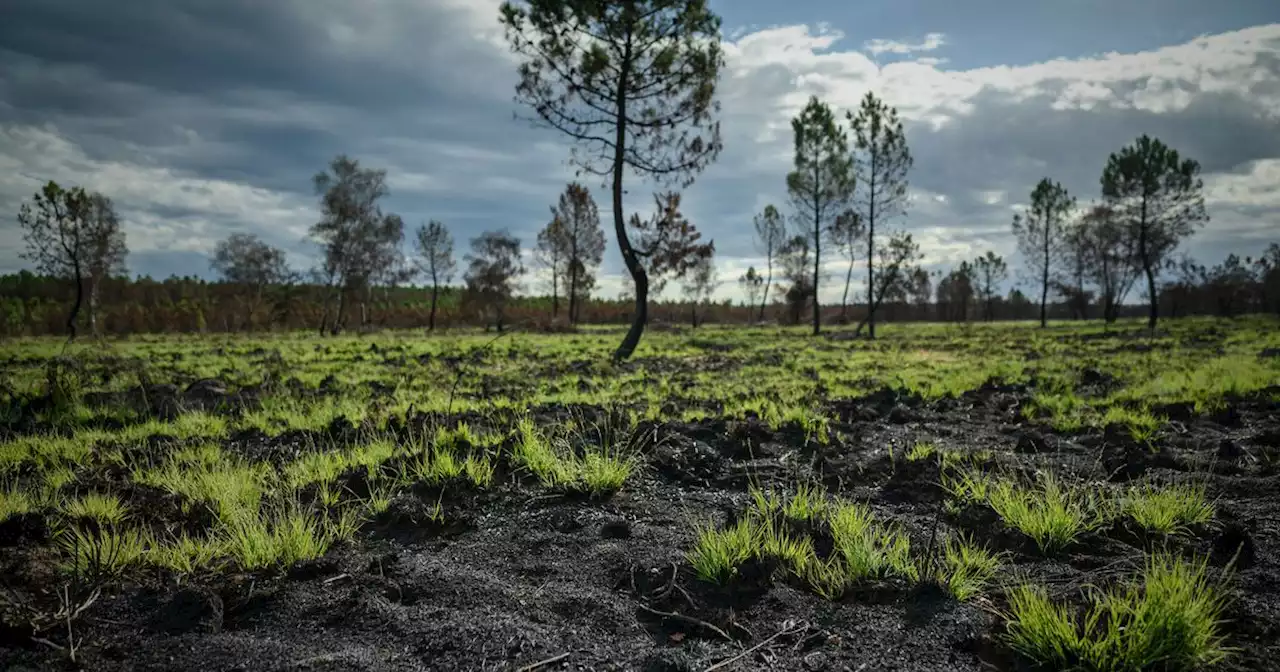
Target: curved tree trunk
{"x":632,"y":339}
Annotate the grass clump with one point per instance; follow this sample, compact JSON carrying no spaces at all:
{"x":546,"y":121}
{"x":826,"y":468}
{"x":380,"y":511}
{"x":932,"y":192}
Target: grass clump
{"x":717,"y":554}
{"x":104,"y":509}
{"x":966,"y":568}
{"x":921,"y":451}
{"x":15,"y":501}
{"x":793,"y":553}
{"x":282,"y":536}
{"x":766,"y":503}
{"x":808,"y":503}
{"x":1169,"y":509}
{"x":230,"y":485}
{"x":478,"y":470}
{"x":1052,"y":514}
{"x":600,"y":470}
{"x":864,"y":549}
{"x":869,"y":548}
{"x":603,"y":472}
{"x":437,"y":465}
{"x":101,"y":552}
{"x":1169,"y":620}
{"x":183,"y":553}
{"x":534,"y":452}
{"x":1140,"y":423}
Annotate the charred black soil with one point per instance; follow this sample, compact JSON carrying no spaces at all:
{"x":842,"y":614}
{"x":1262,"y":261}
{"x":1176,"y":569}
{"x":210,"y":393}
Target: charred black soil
{"x":519,"y":575}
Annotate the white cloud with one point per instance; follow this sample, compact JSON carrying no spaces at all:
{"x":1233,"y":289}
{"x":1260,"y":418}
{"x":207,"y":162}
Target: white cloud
{"x":195,"y":211}
{"x":929,"y":43}
{"x":1256,"y":187}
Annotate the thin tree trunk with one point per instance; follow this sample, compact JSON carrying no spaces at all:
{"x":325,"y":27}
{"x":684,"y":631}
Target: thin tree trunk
{"x":573,"y":290}
{"x":768,"y":280}
{"x":93,"y":306}
{"x":1154,"y":300}
{"x":871,"y":248}
{"x":75,"y":307}
{"x":817,"y":254}
{"x":1044,"y":273}
{"x":555,"y":298}
{"x":1154,"y":311}
{"x":844,"y":301}
{"x":632,"y":339}
{"x":435,"y":295}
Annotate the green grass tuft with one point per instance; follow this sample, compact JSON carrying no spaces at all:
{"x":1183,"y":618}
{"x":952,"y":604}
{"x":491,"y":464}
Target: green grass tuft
{"x":105,"y":509}
{"x":1052,"y":514}
{"x":1169,"y":509}
{"x":101,"y":552}
{"x":1169,"y":620}
{"x":967,"y":567}
{"x":717,"y":554}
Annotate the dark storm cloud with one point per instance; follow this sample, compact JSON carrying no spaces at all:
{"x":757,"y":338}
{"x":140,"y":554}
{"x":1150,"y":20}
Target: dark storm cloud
{"x":295,"y":46}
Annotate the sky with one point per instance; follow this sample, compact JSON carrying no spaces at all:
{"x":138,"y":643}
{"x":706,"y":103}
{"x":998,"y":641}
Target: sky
{"x":203,"y":118}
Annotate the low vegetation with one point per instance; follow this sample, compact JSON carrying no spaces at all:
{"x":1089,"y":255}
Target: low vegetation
{"x":1170,"y":618}
{"x":895,"y":471}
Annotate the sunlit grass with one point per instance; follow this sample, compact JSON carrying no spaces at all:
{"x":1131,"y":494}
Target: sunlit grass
{"x":105,"y":509}
{"x":282,"y":535}
{"x":601,"y":469}
{"x":717,"y":554}
{"x":15,"y":501}
{"x":229,"y":485}
{"x":102,"y":551}
{"x":1168,"y":509}
{"x":966,"y":568}
{"x":1169,"y":619}
{"x":1051,"y":513}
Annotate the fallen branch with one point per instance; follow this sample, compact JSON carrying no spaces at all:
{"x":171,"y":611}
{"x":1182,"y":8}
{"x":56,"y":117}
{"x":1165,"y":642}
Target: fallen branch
{"x":689,"y":620}
{"x":788,"y":628}
{"x":543,"y":663}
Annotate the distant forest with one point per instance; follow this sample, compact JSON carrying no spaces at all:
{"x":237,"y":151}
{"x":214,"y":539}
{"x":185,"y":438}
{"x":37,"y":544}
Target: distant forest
{"x":33,"y":305}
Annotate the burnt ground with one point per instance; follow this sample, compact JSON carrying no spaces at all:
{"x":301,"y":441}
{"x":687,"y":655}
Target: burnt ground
{"x":517,"y":576}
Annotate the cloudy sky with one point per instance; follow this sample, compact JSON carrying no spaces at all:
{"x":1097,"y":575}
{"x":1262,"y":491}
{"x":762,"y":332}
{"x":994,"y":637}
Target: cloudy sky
{"x":201,"y":118}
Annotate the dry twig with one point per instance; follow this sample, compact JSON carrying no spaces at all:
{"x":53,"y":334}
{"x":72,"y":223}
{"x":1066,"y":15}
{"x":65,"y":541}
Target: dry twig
{"x":543,"y":663}
{"x":689,"y":620}
{"x":789,"y":627}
